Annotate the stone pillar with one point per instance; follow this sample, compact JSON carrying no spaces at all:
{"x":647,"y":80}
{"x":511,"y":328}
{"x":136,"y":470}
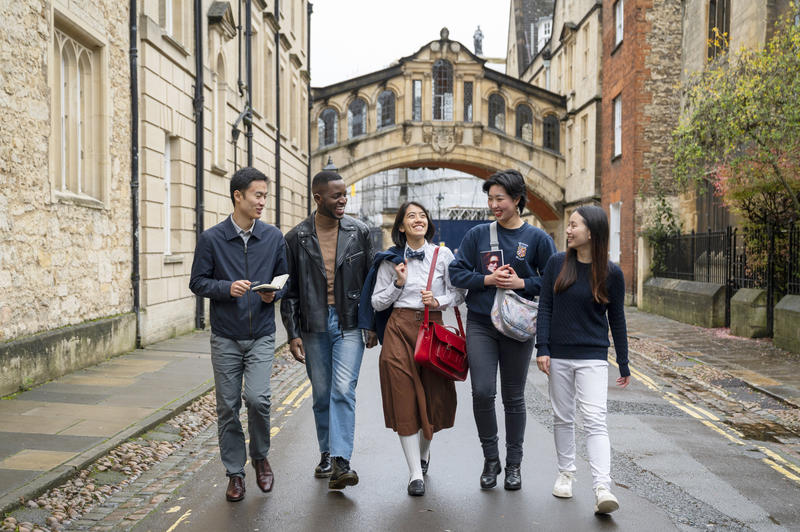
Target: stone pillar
{"x":458,"y":98}
{"x":477,"y":100}
{"x":404,"y":114}
{"x":427,"y":97}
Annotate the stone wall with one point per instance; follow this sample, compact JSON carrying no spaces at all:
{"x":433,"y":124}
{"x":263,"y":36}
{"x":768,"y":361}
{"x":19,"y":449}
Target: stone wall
{"x":692,"y":302}
{"x":786,"y":327}
{"x":63,"y":260}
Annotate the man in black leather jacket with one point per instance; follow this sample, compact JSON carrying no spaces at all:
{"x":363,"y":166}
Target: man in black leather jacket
{"x":329,"y":255}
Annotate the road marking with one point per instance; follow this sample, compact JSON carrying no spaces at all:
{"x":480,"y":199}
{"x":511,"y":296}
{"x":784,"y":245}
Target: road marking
{"x":775,"y":461}
{"x":781,"y":470}
{"x":181,"y":518}
{"x":295,"y":392}
{"x":173,"y":510}
{"x":274,"y":430}
{"x":302,"y":398}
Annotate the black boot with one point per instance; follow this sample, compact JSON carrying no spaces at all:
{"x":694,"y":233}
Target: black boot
{"x":513,"y":477}
{"x":491,"y":468}
{"x":342,"y":476}
{"x":324,"y":468}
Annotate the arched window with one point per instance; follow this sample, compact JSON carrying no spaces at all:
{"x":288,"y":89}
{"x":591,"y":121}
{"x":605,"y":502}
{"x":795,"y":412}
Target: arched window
{"x":385,"y":109}
{"x":327,"y":125}
{"x":442,"y":90}
{"x":524,"y":123}
{"x":357,"y":118}
{"x":220,"y":105}
{"x":497,"y":112}
{"x":550,"y":133}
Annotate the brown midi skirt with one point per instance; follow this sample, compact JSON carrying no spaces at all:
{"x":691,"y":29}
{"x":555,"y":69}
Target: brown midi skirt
{"x":414,"y":398}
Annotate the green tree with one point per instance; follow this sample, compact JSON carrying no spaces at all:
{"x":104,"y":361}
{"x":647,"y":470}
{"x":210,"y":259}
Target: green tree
{"x":741,"y":129}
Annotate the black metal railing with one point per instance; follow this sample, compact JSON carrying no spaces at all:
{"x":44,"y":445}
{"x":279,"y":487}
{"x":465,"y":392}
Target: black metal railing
{"x":767,"y":259}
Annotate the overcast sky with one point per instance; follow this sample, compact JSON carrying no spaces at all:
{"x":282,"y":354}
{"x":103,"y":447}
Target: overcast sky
{"x":354,"y":37}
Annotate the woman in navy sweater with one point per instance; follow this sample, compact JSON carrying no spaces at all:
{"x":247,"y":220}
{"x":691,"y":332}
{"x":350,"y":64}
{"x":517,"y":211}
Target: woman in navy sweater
{"x":524,"y":250}
{"x":583,"y":293}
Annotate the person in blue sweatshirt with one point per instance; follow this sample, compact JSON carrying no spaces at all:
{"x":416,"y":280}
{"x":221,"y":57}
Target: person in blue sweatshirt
{"x":524,"y":250}
{"x":583,"y":293}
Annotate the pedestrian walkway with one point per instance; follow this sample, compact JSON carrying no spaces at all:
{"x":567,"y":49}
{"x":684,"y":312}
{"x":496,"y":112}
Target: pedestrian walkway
{"x":53,"y":430}
{"x":756,"y":362}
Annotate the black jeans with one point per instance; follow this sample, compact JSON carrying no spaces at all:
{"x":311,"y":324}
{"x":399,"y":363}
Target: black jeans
{"x":486,"y":348}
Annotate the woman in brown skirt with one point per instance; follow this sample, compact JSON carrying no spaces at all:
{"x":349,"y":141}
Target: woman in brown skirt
{"x":416,"y":401}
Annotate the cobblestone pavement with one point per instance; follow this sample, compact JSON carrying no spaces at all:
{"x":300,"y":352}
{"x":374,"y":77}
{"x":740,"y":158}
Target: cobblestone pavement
{"x":129,"y":495}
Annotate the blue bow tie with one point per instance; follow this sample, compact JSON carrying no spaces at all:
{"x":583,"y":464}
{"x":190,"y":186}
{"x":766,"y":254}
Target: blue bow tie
{"x":411,"y":254}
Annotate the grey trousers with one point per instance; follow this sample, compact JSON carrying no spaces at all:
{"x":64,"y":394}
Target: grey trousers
{"x":234,"y":361}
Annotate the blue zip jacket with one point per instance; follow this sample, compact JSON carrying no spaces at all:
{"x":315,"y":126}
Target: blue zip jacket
{"x":221,"y":258}
{"x":367,"y":317}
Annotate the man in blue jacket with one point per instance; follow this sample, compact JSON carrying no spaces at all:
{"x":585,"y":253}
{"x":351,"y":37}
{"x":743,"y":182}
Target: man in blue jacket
{"x":236,"y":253}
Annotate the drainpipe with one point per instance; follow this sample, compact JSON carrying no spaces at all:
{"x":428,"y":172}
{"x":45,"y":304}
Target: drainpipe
{"x":248,"y":47}
{"x":277,"y":118}
{"x":199,"y":187}
{"x":310,"y":10}
{"x":134,"y":52}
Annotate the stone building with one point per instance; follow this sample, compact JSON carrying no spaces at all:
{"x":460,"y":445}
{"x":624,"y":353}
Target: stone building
{"x":570,"y":65}
{"x":68,"y":271}
{"x":530,"y":25}
{"x":742,"y":24}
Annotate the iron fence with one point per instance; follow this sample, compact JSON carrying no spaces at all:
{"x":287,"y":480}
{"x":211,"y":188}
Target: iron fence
{"x":767,"y":259}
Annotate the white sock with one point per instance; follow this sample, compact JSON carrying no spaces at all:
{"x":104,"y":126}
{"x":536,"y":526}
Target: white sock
{"x":424,"y":447}
{"x":410,"y":446}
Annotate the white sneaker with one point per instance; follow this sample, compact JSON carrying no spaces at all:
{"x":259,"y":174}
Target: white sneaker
{"x":605,"y":501}
{"x":563,"y":485}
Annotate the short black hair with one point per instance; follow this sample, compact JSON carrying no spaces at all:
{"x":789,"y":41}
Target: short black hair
{"x":513,"y":182}
{"x":398,"y":236}
{"x":243,"y":177}
{"x":324,"y":177}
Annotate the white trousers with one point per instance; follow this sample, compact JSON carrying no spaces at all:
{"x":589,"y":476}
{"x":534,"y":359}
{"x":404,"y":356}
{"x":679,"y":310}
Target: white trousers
{"x":584,"y":382}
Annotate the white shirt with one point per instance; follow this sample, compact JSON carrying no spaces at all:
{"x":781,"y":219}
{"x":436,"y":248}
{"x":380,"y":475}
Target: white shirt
{"x":386,"y":294}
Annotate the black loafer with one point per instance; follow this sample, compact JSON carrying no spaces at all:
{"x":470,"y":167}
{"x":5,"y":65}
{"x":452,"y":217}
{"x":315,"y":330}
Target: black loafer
{"x":491,"y":468}
{"x":325,"y":467}
{"x":424,"y":464}
{"x":513,"y":477}
{"x":416,"y":488}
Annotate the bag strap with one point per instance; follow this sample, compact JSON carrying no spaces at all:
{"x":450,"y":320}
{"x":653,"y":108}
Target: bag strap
{"x":430,"y":280}
{"x":493,"y":236}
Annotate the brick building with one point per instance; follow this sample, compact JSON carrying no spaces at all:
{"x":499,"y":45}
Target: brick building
{"x":641,"y":64}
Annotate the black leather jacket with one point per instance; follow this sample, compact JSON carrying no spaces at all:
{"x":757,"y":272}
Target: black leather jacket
{"x":304,"y":307}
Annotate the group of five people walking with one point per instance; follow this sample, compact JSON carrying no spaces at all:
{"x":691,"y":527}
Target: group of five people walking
{"x":342,"y":296}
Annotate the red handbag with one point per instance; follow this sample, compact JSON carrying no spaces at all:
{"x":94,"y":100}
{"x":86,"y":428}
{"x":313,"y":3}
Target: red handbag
{"x":439,"y":348}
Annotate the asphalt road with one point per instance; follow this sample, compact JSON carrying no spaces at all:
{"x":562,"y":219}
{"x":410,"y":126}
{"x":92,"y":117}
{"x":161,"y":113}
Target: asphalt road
{"x":675,"y":467}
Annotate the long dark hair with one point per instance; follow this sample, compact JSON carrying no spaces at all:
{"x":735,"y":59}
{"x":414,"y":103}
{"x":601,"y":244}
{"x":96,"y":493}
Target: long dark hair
{"x":398,"y":236}
{"x":597,"y":222}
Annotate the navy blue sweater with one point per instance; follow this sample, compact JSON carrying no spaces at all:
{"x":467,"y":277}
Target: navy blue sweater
{"x":571,"y":324}
{"x":526,"y":249}
{"x":221,"y":258}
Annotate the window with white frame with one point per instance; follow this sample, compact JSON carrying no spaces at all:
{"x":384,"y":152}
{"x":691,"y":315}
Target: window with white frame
{"x":173,"y":17}
{"x":614,"y":231}
{"x":584,"y":140}
{"x":618,"y":12}
{"x":77,"y":104}
{"x":269,"y":84}
{"x":617,"y":126}
{"x":416,"y":113}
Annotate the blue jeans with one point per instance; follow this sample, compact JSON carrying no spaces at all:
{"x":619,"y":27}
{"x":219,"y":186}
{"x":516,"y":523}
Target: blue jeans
{"x":234,"y":361}
{"x":333,"y":361}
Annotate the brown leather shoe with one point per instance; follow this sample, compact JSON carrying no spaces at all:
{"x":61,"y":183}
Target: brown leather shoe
{"x":235,"y":491}
{"x":264,"y":476}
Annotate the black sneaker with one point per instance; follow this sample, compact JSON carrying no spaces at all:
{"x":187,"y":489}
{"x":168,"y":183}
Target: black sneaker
{"x":325,"y":467}
{"x":342,"y":476}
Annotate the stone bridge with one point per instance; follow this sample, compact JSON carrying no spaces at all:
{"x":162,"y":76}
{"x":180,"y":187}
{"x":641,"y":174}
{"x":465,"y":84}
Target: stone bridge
{"x":443,"y":108}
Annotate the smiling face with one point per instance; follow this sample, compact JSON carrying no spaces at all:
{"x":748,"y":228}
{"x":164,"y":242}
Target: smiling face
{"x":578,"y":235}
{"x":415,"y":223}
{"x":331,"y":198}
{"x":494,"y":262}
{"x":502,"y":205}
{"x":251,"y":203}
